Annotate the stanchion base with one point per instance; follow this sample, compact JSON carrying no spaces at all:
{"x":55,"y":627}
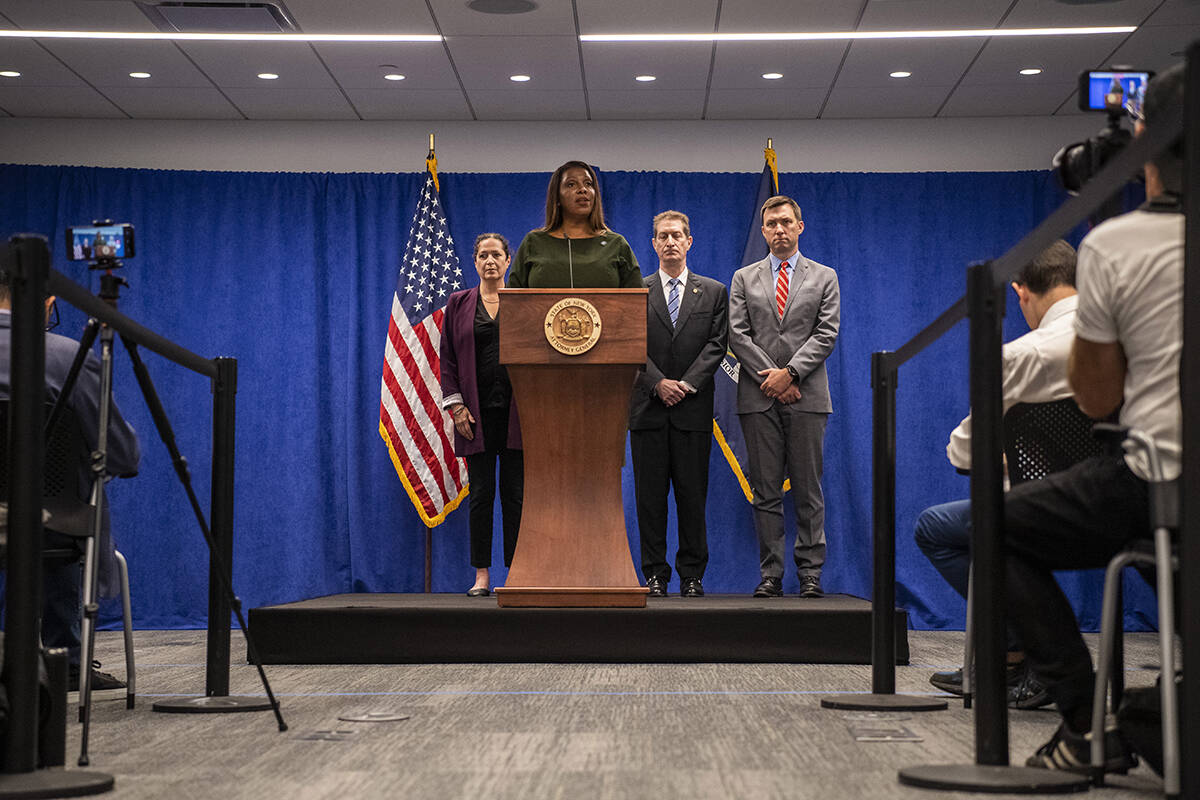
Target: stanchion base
{"x":223,"y":704}
{"x":53,"y":783}
{"x":884,"y":702}
{"x":991,"y":779}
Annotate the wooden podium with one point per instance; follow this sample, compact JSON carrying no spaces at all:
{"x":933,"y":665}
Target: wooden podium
{"x":573,"y":399}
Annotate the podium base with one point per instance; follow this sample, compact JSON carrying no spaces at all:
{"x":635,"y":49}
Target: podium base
{"x":53,"y":783}
{"x":222,"y":704}
{"x":571,"y":596}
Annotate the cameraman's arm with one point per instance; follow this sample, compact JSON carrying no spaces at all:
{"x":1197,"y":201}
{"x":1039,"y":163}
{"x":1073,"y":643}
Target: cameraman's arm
{"x":1096,"y":372}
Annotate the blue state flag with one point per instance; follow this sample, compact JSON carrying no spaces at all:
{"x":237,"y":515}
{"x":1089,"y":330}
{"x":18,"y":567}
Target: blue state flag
{"x":726,"y":428}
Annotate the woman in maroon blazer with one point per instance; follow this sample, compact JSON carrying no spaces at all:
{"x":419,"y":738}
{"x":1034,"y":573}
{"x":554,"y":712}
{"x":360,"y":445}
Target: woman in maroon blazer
{"x":478,"y":395}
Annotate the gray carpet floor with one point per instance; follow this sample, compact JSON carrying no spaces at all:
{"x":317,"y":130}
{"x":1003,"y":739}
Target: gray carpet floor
{"x":540,"y":730}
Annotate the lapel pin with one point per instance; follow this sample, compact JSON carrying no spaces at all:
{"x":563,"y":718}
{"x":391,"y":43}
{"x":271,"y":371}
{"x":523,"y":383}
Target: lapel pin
{"x":695,"y":290}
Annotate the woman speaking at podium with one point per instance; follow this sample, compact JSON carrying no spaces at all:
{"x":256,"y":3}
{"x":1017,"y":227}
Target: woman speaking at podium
{"x":477,"y":393}
{"x":575,"y":249}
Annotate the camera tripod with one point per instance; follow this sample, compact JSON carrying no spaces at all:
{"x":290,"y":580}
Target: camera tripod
{"x":110,"y":293}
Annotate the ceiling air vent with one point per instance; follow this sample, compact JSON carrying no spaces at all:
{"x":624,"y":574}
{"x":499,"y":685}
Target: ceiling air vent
{"x":214,"y":16}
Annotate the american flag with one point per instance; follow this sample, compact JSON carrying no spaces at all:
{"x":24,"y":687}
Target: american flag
{"x":419,"y":435}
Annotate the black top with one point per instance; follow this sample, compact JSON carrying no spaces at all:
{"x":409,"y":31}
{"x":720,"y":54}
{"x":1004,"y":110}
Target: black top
{"x":495,"y":391}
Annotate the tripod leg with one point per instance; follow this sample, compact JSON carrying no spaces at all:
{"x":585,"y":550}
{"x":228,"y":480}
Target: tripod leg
{"x":220,"y":567}
{"x":85,"y":345}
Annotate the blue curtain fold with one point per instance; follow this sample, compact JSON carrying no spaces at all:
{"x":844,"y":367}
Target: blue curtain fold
{"x":293,"y":274}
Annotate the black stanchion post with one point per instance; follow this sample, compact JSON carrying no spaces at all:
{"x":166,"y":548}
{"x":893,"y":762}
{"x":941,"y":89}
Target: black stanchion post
{"x":28,"y":262}
{"x":1189,"y":538}
{"x":990,"y":773}
{"x":221,"y":515}
{"x":883,"y":695}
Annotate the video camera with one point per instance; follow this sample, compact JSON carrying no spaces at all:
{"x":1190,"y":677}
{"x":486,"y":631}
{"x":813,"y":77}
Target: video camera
{"x":1118,"y":94}
{"x":103,"y":243}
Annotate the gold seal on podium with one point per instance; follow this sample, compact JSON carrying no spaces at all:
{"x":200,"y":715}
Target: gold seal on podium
{"x":572,"y":326}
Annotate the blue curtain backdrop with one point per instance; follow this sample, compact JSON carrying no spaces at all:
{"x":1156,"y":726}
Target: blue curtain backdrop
{"x":293,"y":275}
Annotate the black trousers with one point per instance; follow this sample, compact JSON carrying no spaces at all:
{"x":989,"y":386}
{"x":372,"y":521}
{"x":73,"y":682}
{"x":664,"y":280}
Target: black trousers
{"x":1075,"y":519}
{"x":666,"y":458}
{"x":481,"y":472}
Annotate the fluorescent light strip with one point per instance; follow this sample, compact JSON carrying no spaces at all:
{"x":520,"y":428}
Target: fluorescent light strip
{"x":844,"y":35}
{"x":224,"y":37}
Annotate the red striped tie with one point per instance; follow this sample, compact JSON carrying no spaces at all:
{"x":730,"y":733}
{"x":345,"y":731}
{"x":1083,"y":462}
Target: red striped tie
{"x":781,"y":288}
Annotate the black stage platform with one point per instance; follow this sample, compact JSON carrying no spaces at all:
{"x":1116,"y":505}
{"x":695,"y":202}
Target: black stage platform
{"x":452,"y":628}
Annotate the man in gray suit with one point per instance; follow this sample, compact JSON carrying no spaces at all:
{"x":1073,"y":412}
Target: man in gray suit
{"x":784,"y":313}
{"x":671,"y":412}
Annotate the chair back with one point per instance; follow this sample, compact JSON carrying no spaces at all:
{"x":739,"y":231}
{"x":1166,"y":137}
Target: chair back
{"x":66,"y":459}
{"x":1041,"y":438}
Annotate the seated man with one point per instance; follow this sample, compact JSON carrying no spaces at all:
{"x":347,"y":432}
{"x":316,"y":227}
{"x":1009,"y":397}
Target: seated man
{"x":1128,"y":340}
{"x":1035,"y":371}
{"x":63,"y":604}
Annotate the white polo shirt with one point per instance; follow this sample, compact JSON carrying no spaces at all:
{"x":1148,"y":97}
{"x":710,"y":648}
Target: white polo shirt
{"x":1130,"y":278}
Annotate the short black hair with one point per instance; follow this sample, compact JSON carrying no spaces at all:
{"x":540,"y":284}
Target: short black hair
{"x":1164,"y":92}
{"x":1054,"y":266}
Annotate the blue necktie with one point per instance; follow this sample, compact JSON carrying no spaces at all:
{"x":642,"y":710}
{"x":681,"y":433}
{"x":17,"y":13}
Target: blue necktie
{"x":673,"y":300}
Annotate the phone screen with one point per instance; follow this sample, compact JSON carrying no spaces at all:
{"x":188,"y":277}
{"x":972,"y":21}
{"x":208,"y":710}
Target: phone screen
{"x":1113,"y":91}
{"x":89,"y":243}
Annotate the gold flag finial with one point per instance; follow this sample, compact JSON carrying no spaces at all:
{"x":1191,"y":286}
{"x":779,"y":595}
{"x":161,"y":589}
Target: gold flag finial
{"x":431,"y":164}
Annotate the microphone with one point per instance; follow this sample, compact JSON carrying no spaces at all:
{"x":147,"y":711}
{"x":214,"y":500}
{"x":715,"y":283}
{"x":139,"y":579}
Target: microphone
{"x":570,"y":261}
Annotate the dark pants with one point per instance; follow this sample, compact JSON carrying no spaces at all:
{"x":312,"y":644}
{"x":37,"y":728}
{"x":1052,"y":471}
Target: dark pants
{"x":61,"y":601}
{"x":1075,"y":519}
{"x":481,"y":472}
{"x":666,"y":458}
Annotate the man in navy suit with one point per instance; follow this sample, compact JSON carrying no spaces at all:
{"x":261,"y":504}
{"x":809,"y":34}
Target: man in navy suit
{"x":670,"y":421}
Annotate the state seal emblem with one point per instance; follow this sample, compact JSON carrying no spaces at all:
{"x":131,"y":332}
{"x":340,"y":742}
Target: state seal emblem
{"x":572,"y":326}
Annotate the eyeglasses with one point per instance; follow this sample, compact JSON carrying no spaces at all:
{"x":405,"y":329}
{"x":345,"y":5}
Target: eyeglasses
{"x":52,"y":318}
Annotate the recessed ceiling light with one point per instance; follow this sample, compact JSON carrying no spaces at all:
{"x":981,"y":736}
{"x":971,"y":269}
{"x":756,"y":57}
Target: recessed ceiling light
{"x":519,"y":78}
{"x":393,"y":76}
{"x":268,"y":76}
{"x":772,"y":76}
{"x":1032,"y":71}
{"x":900,"y":74}
{"x":645,"y":78}
{"x":9,"y":73}
{"x":139,"y":74}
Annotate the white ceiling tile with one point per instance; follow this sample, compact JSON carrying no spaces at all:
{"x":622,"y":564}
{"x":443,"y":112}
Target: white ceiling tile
{"x":981,"y":100}
{"x":938,"y":63}
{"x":237,"y":64}
{"x":283,"y":103}
{"x":57,"y":101}
{"x":741,"y":65}
{"x":747,"y":16}
{"x":781,"y":103}
{"x":108,"y":63}
{"x":663,"y":16}
{"x":174,"y":103}
{"x":860,"y":102}
{"x":1061,"y":58}
{"x":550,"y":18}
{"x":77,"y":15}
{"x":1154,"y":47}
{"x":440,"y":104}
{"x":612,"y":66}
{"x":646,"y":105}
{"x":359,"y":66}
{"x":485,"y":62}
{"x":1053,"y":13}
{"x":37,"y":67}
{"x":899,"y":15}
{"x":529,"y":105}
{"x":362,"y":16}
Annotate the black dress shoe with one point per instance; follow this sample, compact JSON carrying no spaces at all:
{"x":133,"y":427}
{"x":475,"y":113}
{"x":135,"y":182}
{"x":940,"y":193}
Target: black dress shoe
{"x":691,"y":588}
{"x":657,"y":586}
{"x":810,"y":586}
{"x":478,"y":591}
{"x":769,"y":587}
